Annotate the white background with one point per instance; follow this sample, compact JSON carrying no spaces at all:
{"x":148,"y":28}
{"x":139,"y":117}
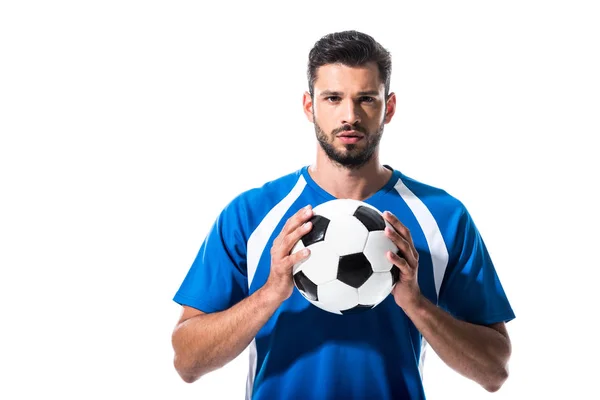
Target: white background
{"x":127,"y":125}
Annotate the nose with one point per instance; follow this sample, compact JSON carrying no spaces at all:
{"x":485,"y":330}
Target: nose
{"x":350,"y":114}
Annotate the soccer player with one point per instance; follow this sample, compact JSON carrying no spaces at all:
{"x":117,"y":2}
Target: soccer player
{"x":239,"y":291}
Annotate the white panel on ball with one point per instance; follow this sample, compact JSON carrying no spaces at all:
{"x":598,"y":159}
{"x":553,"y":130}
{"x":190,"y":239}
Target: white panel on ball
{"x":376,"y":288}
{"x":316,"y":266}
{"x":378,"y":244}
{"x":346,"y":235}
{"x":337,"y":295}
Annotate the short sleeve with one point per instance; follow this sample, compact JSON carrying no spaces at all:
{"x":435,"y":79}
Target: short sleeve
{"x":217,"y":278}
{"x":471,"y":289}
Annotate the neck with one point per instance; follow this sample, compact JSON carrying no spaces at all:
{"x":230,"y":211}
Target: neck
{"x":349,"y":183}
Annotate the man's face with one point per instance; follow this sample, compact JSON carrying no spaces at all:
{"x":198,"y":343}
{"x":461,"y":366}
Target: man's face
{"x":348,"y":110}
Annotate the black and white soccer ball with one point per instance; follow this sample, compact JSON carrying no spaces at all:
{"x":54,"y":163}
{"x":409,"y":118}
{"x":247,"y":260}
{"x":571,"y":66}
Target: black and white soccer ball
{"x":347,"y":270}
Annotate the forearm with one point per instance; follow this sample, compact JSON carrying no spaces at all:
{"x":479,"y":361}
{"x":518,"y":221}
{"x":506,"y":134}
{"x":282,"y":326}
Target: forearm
{"x":209,"y":341}
{"x":477,"y":352}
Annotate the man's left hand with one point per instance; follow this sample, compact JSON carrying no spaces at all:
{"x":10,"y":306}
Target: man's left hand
{"x":406,"y":292}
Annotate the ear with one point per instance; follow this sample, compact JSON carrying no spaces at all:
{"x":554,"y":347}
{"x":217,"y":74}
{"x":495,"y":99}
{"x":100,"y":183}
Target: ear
{"x":390,"y":108}
{"x":307,"y":106}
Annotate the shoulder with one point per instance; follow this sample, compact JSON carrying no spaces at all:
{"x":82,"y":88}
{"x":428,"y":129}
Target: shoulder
{"x":267,"y":195}
{"x":439,"y":210}
{"x":437,"y":200}
{"x":249,"y":207}
{"x":272,"y":191}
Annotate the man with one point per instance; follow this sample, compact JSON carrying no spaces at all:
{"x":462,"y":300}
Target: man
{"x":239,"y":291}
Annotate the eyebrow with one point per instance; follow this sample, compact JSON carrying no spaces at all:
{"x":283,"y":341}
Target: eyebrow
{"x":363,"y":93}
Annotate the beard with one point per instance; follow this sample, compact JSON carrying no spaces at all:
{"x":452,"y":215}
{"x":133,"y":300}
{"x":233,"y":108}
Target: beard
{"x":353,"y":156}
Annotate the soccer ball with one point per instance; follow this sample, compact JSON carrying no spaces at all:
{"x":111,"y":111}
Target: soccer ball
{"x":347,"y":270}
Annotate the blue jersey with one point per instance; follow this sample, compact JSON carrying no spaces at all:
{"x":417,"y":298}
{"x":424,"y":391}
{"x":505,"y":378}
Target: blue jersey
{"x":307,"y":353}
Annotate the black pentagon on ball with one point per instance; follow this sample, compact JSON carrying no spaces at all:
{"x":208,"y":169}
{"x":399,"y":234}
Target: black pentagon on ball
{"x":395,"y":274}
{"x":370,"y":218}
{"x":357,"y":309}
{"x":354,"y":269}
{"x":317,"y":232}
{"x":305,"y":285}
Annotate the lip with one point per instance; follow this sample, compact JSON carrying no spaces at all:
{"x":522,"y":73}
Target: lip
{"x":350,"y":139}
{"x":351,"y":134}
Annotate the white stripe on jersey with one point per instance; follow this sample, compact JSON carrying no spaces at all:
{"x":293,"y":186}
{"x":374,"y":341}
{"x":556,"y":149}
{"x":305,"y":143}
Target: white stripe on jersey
{"x":261,"y":235}
{"x":256,"y":245}
{"x":252,"y":353}
{"x":435,"y":241}
{"x":431,"y":230}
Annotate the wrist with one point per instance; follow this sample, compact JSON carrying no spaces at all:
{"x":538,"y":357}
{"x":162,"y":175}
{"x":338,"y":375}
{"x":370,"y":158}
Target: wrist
{"x":415,"y":305}
{"x":270,"y":297}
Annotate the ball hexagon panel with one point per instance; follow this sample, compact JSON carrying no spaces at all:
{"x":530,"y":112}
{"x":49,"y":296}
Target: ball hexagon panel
{"x":376,"y":288}
{"x":317,"y":231}
{"x":370,"y":218}
{"x":346,"y":235}
{"x":320,"y":266}
{"x":337,"y":295}
{"x":306,"y":287}
{"x":376,"y":247}
{"x":354,"y":269}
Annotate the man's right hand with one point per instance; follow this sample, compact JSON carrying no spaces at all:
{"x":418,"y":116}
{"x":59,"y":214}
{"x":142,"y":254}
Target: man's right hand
{"x":280,"y":281}
{"x":205,"y":342}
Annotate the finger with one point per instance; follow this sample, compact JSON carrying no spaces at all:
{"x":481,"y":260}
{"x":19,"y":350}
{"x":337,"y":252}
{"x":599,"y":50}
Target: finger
{"x":402,"y":230}
{"x":292,"y":223}
{"x":402,"y":264}
{"x":285,"y":243}
{"x":398,"y":226}
{"x":402,"y":244}
{"x":297,"y":257}
{"x":301,"y":216}
{"x":292,"y":238}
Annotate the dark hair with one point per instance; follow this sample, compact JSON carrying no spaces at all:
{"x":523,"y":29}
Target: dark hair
{"x":349,"y":48}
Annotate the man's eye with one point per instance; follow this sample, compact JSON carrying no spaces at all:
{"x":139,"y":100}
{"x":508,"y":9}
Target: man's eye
{"x":332,"y":99}
{"x":367,"y":99}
